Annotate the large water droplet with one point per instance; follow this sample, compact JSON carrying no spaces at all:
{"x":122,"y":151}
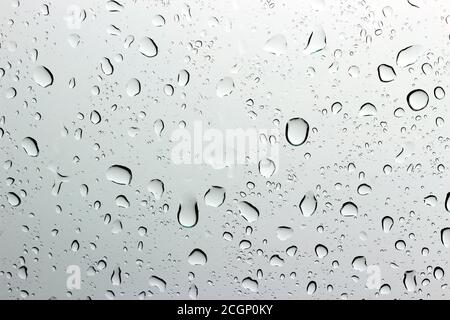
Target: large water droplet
{"x":349,"y":209}
{"x":297,"y":130}
{"x":197,"y":257}
{"x":386,"y":73}
{"x":148,"y":47}
{"x":215,"y":196}
{"x":409,"y":55}
{"x":225,"y":87}
{"x":248,"y":211}
{"x":417,"y":99}
{"x":42,"y":76}
{"x":276,"y":45}
{"x":133,"y":87}
{"x":119,"y":174}
{"x":308,"y":204}
{"x":156,"y":188}
{"x":317,"y":41}
{"x":30,"y":146}
{"x":188,"y":213}
{"x":445,"y":237}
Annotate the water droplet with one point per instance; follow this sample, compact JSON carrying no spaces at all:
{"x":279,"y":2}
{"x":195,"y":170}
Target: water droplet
{"x":409,"y":280}
{"x":297,"y":130}
{"x":248,"y":211}
{"x":106,"y":66}
{"x":225,"y":87}
{"x":349,"y":209}
{"x":417,"y":99}
{"x":30,"y":146}
{"x":133,"y":87}
{"x":197,"y":257}
{"x":284,"y":233}
{"x":155,"y":281}
{"x":311,"y":288}
{"x":308,"y":204}
{"x":148,"y":47}
{"x":13,"y":199}
{"x":266,"y":167}
{"x":42,"y":76}
{"x":183,"y":78}
{"x":445,"y":237}
{"x":156,"y":188}
{"x":317,"y":41}
{"x":367,"y":110}
{"x":364,"y":189}
{"x":386,"y":73}
{"x":409,"y":55}
{"x":250,"y":284}
{"x":188,"y":213}
{"x":215,"y":196}
{"x":276,"y":45}
{"x":321,"y":251}
{"x":439,"y":93}
{"x":119,"y":174}
{"x":386,"y":224}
